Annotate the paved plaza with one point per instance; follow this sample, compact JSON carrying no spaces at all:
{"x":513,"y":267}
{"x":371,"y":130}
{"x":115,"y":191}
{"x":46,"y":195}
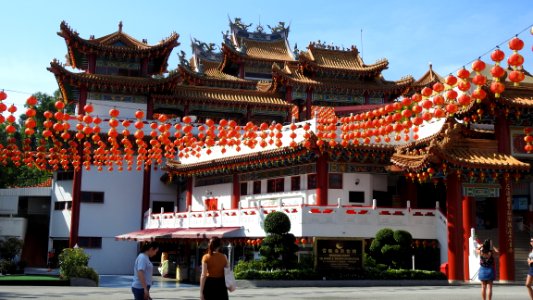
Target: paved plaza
{"x":463,"y":292}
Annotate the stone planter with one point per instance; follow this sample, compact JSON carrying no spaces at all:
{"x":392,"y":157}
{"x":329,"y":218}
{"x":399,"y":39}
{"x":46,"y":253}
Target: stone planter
{"x":77,"y":281}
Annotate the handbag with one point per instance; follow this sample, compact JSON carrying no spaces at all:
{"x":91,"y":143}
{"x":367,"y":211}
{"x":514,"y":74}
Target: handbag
{"x":231,"y":283}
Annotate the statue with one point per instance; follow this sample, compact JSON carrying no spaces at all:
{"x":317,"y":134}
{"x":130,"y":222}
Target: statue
{"x":240,"y":25}
{"x":279,"y":28}
{"x":182,"y":58}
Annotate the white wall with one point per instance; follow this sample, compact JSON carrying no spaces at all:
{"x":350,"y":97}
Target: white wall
{"x":220,"y":191}
{"x":159,"y":191}
{"x":120,"y":213}
{"x":127,"y":110}
{"x":60,"y":219}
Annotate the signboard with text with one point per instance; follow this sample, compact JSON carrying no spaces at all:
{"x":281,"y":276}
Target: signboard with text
{"x":339,"y":255}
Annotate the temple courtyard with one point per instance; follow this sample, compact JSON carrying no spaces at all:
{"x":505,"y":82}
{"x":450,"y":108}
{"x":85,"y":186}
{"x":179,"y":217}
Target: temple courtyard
{"x":463,"y":292}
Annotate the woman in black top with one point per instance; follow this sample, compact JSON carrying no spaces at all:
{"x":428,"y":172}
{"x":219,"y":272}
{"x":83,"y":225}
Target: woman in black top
{"x":486,"y":268}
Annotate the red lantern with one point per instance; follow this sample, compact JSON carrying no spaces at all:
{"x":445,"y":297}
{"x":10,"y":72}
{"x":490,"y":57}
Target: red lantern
{"x":497,"y":55}
{"x":3,"y":95}
{"x":516,"y":44}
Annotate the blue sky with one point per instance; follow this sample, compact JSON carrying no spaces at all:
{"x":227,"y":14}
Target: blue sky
{"x":410,"y":34}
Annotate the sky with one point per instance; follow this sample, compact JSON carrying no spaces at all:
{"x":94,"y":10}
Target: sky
{"x":409,"y":34}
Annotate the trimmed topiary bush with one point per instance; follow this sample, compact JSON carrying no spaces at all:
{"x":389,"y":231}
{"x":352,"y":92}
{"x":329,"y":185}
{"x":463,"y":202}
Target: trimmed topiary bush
{"x":277,"y":222}
{"x":278,"y":249}
{"x":392,"y":248}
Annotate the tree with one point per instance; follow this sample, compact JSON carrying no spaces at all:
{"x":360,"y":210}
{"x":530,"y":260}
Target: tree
{"x":392,"y":248}
{"x":13,"y":174}
{"x":278,"y":249}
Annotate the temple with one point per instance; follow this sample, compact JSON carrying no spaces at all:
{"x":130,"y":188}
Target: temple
{"x":452,"y":176}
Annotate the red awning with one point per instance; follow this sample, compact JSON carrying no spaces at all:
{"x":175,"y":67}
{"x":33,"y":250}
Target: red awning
{"x":179,"y":233}
{"x":147,"y":234}
{"x":199,"y":233}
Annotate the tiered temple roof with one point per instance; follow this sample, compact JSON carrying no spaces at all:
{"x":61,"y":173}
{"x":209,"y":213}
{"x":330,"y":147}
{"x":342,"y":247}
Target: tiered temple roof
{"x":243,"y":45}
{"x":204,"y":68}
{"x":330,"y":59}
{"x":70,"y":82}
{"x":116,"y":45}
{"x":452,"y":147}
{"x":428,"y":79}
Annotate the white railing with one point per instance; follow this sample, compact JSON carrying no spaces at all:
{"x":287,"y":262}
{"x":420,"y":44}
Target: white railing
{"x":311,"y":220}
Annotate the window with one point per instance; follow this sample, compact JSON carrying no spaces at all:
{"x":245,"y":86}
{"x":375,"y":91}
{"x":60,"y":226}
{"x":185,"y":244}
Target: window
{"x":257,"y":187}
{"x":335,"y":181}
{"x":311,"y":181}
{"x":295,"y":183}
{"x":90,"y":242}
{"x":276,"y":185}
{"x":356,"y":197}
{"x":167,"y":206}
{"x":244,"y":188}
{"x":63,"y":205}
{"x":92,"y":197}
{"x":65,"y":175}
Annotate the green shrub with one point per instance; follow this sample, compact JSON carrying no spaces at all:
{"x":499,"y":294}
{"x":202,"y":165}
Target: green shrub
{"x":73,"y":262}
{"x":277,"y":222}
{"x":10,"y":247}
{"x":392,"y":248}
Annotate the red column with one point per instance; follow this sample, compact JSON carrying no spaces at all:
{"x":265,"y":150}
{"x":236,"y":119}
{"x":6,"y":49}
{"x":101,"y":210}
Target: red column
{"x":75,"y":211}
{"x":241,"y":71}
{"x":92,"y":64}
{"x":308,"y":101}
{"x":501,"y":128}
{"x":505,"y":231}
{"x":149,"y":108}
{"x":412,"y":194}
{"x":236,"y":195}
{"x":146,"y":193}
{"x":288,"y":94}
{"x":76,"y":184}
{"x":467,"y":225}
{"x":188,"y":194}
{"x":322,"y":180}
{"x":455,"y":229}
{"x":186,"y":109}
{"x":144,"y":67}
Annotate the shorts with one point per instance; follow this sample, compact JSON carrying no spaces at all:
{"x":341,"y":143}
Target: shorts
{"x":138,"y":294}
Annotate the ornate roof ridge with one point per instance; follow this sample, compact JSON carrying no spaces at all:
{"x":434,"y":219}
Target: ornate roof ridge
{"x":429,"y":78}
{"x":104,"y":41}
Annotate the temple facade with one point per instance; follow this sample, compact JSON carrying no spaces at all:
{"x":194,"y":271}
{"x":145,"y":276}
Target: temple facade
{"x":465,"y":173}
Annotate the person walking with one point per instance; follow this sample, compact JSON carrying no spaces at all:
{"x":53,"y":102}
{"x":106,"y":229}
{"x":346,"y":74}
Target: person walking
{"x":529,"y":279}
{"x":486,"y":269}
{"x":212,"y":282}
{"x":143,"y":270}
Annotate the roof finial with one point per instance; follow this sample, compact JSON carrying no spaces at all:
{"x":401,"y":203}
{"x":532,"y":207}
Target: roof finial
{"x":430,"y":65}
{"x":120,"y":26}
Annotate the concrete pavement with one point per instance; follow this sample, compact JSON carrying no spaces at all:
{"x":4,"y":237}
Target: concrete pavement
{"x":461,"y":292}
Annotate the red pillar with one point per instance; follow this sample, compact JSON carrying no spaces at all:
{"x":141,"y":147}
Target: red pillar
{"x":236,"y":195}
{"x":505,"y":231}
{"x":308,"y":101}
{"x":149,"y":108}
{"x":467,"y":225}
{"x":91,"y":64}
{"x":455,"y":229}
{"x":505,"y":212}
{"x":75,"y":211}
{"x":412,"y":195}
{"x":76,"y":184}
{"x":322,"y":180}
{"x":146,"y":192}
{"x":188,"y":194}
{"x":241,"y":71}
{"x":144,"y":67}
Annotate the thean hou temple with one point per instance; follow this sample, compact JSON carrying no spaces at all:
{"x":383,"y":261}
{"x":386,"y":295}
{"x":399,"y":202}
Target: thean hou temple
{"x":255,"y":125}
